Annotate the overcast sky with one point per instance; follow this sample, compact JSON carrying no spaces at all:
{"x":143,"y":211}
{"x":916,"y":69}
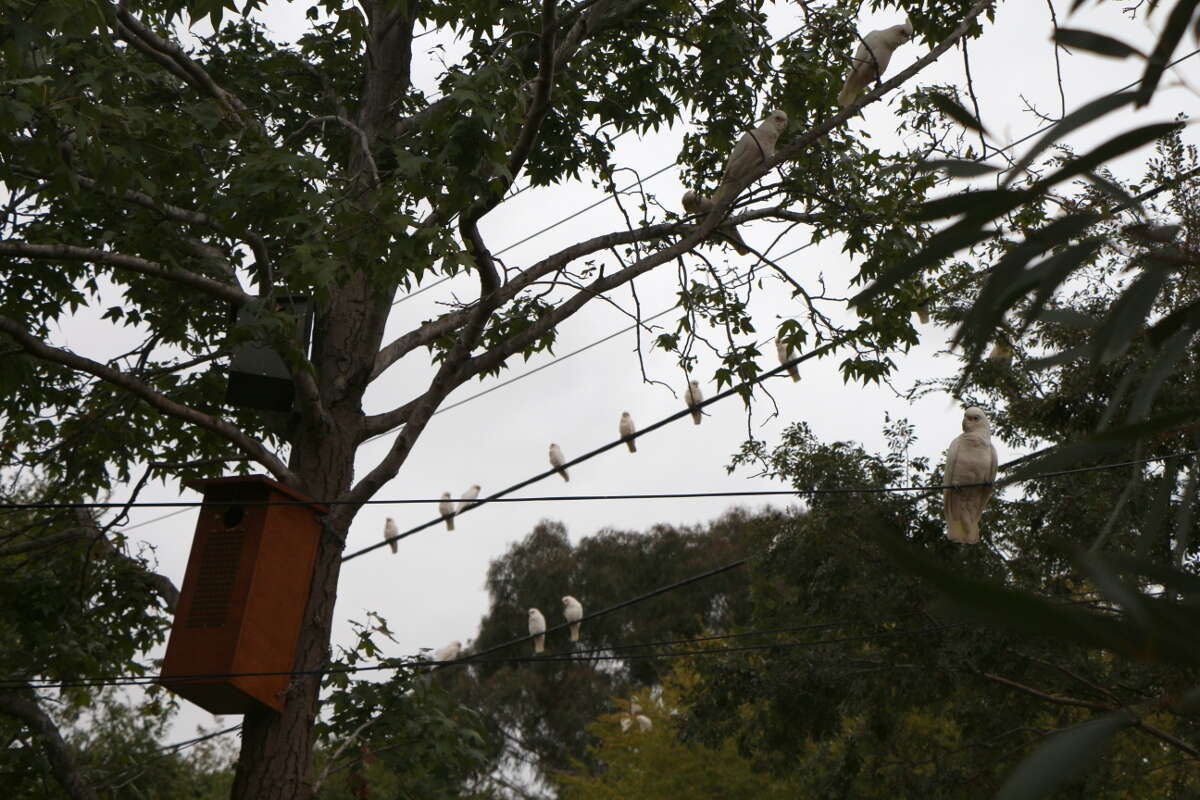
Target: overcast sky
{"x":431,"y":592}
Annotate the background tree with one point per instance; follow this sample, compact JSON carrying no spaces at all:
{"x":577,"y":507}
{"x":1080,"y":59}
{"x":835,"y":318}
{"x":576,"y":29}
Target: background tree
{"x":165,"y":184}
{"x":655,"y":763}
{"x":540,"y":712}
{"x":903,"y":694}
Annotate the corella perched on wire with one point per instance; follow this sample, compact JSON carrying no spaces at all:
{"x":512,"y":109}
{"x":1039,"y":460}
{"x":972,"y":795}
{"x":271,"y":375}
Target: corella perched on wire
{"x":573,"y":611}
{"x":786,"y":354}
{"x":390,"y":533}
{"x":970,"y":459}
{"x":871,"y":59}
{"x":694,"y":397}
{"x":537,"y":629}
{"x":557,"y":461}
{"x":446,"y":509}
{"x":449,"y":652}
{"x":468,"y":496}
{"x":627,"y":429}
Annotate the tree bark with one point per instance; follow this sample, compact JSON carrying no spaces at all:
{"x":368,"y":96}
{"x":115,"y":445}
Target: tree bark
{"x":23,"y":705}
{"x":276,"y":748}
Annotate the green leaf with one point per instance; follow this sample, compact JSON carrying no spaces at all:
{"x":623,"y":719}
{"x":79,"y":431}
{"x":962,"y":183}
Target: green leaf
{"x":1061,"y":756}
{"x":951,"y":108}
{"x":958,"y":168}
{"x":1095,"y":43}
{"x":1172,"y":32}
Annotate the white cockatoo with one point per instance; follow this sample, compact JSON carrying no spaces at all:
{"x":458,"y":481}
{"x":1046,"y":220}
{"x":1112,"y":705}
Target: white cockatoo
{"x":1001,"y":353}
{"x":694,"y":397}
{"x":644,"y":723}
{"x":970,"y":459}
{"x":753,"y":149}
{"x":573,"y":611}
{"x":627,"y":428}
{"x":784,"y":350}
{"x":626,"y":723}
{"x":468,"y":496}
{"x":696,"y":203}
{"x":537,"y":629}
{"x":390,"y":533}
{"x":449,"y":652}
{"x":871,"y":60}
{"x":635,"y":707}
{"x":446,"y":509}
{"x":923,"y":313}
{"x":557,"y":461}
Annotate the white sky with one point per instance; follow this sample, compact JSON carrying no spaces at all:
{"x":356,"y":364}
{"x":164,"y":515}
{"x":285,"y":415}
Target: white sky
{"x":432,"y":591}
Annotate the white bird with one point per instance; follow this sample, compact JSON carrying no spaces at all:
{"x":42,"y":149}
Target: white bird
{"x":446,"y":509}
{"x":923,"y":313}
{"x":970,"y":459}
{"x":694,"y":397}
{"x":696,"y":203}
{"x":627,"y":429}
{"x":635,"y":707}
{"x":626,"y":722}
{"x":753,"y":149}
{"x":557,"y":461}
{"x":644,"y":723}
{"x":784,"y":350}
{"x":871,"y":59}
{"x":390,"y":533}
{"x":468,"y":496}
{"x":573,"y":611}
{"x":449,"y":652}
{"x":537,"y":629}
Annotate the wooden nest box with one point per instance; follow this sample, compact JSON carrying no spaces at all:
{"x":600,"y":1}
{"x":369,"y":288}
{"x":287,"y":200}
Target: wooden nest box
{"x":244,"y":594}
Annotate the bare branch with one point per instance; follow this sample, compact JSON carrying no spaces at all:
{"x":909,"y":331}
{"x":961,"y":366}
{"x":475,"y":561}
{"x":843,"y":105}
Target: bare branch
{"x":221,"y":428}
{"x":66,"y":252}
{"x":22,"y":705}
{"x":433,"y":330}
{"x":1152,"y":730}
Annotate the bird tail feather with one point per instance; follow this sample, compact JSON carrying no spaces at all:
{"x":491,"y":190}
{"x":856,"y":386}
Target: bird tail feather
{"x":632,"y":447}
{"x":392,"y":544}
{"x":449,"y":523}
{"x":574,"y":631}
{"x":539,"y":643}
{"x":566,"y":477}
{"x":697,"y":416}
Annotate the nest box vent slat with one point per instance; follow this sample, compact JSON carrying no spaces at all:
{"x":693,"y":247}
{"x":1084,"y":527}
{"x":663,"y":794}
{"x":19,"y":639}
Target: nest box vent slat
{"x":243,"y":596}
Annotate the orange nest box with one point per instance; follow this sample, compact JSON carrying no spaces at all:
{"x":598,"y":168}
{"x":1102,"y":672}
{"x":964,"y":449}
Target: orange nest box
{"x":243,"y":596}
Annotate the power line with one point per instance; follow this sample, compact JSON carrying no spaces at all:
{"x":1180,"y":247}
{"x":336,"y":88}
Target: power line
{"x":585,"y":657}
{"x":559,"y":498}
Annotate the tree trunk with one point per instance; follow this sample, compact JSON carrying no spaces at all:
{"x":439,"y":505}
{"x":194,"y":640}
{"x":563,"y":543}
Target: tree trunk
{"x":277,"y":746}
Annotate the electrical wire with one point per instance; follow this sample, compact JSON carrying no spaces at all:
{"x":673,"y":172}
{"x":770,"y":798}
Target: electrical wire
{"x":586,"y":657}
{"x":559,"y":498}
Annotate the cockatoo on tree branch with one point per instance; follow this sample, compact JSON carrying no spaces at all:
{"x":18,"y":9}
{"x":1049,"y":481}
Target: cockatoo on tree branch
{"x":871,"y":60}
